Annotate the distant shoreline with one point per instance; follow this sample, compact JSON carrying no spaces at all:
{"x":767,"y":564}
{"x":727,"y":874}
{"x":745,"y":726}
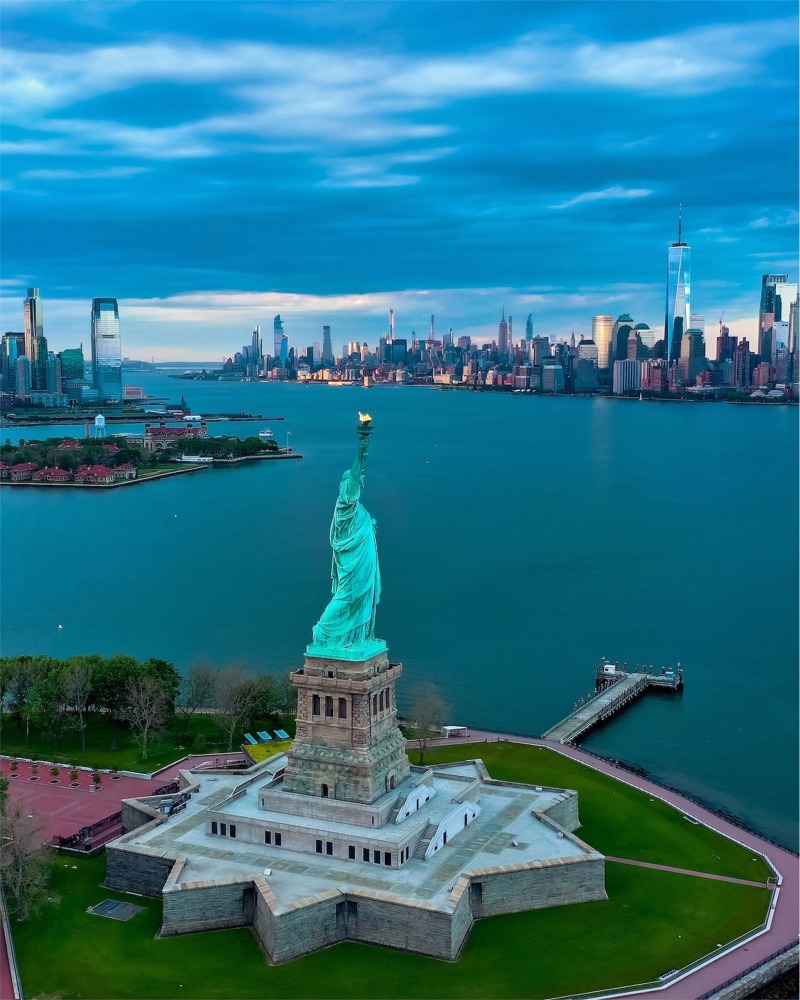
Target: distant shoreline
{"x":161,"y":474}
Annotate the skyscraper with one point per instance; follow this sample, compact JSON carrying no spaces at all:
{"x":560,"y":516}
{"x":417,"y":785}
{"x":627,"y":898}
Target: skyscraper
{"x":327,"y":350}
{"x":529,"y":328}
{"x":106,"y":350}
{"x":34,"y":319}
{"x":777,"y":295}
{"x":502,"y":337}
{"x":676,"y":316}
{"x":277,"y":335}
{"x":602,"y":328}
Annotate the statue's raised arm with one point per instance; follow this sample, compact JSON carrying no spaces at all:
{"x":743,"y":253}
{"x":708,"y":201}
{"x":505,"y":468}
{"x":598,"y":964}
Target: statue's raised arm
{"x":347,"y":626}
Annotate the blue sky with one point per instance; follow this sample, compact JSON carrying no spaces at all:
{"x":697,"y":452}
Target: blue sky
{"x":211,"y":164}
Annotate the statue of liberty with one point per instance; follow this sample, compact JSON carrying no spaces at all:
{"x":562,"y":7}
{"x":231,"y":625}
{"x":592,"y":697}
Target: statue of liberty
{"x":347,"y":626}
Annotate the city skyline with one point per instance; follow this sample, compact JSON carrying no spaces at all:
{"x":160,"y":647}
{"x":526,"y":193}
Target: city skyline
{"x":328,"y":162}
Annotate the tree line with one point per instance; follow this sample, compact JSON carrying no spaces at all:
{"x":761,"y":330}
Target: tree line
{"x":56,"y":695}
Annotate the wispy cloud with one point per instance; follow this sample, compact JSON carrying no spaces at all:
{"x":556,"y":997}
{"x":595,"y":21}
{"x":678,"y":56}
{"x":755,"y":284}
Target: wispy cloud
{"x":615,"y":193}
{"x":82,"y":175}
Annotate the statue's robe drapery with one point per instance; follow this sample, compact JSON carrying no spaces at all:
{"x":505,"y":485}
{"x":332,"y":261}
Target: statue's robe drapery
{"x":348,"y":622}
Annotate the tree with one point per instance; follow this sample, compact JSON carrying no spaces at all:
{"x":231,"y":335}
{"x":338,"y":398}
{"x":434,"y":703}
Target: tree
{"x":23,"y":675}
{"x":24,"y":862}
{"x":166,"y":675}
{"x":236,"y":699}
{"x":110,"y":685}
{"x":428,"y":712}
{"x":77,"y":683}
{"x":48,"y":698}
{"x":285,"y":695}
{"x":6,"y":674}
{"x":196,"y":691}
{"x":146,"y":708}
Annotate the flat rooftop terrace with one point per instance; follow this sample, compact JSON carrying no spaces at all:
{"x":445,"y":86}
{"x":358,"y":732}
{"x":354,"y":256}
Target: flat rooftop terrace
{"x":487,"y":843}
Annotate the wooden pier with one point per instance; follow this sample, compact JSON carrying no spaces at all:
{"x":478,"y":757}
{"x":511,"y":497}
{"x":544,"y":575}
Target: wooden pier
{"x":615,"y":687}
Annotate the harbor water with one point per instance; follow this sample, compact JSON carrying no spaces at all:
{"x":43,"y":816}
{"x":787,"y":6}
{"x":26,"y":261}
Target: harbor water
{"x":521,"y":539}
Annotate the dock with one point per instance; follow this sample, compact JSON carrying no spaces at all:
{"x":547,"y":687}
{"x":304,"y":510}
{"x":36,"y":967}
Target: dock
{"x":615,"y":687}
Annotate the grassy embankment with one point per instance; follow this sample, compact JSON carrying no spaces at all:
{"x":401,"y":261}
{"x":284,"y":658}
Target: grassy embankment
{"x":652,"y":921}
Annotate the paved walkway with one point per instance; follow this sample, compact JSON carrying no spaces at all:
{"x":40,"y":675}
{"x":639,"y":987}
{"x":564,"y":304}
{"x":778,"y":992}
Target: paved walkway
{"x":689,"y":871}
{"x":785,"y":926}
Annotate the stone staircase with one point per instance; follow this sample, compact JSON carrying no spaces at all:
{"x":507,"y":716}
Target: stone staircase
{"x":424,"y":841}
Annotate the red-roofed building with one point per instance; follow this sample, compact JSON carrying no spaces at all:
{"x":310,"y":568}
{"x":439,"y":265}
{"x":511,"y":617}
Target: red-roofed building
{"x":125,"y":471}
{"x":51,"y":475}
{"x":94,"y":474}
{"x":160,"y":438}
{"x":3,"y":470}
{"x":110,"y":449}
{"x":22,"y":472}
{"x":68,"y":444}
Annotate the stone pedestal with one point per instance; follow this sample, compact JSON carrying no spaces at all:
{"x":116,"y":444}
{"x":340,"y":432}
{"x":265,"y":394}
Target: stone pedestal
{"x":347,"y":745}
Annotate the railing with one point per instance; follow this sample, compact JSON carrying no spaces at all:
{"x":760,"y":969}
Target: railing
{"x":86,"y":833}
{"x":642,"y":772}
{"x":173,"y":786}
{"x":752,"y":968}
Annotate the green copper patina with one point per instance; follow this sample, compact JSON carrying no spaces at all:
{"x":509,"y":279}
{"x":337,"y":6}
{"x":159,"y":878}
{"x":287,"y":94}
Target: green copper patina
{"x":346,"y":629}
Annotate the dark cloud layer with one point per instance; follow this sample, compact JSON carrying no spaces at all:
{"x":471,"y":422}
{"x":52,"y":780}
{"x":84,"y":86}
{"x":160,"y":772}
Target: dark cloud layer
{"x":153,"y":150}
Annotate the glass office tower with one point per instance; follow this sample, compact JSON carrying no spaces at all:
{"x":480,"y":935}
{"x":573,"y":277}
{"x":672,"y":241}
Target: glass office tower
{"x":34,"y":319}
{"x":106,"y":350}
{"x":676,"y":319}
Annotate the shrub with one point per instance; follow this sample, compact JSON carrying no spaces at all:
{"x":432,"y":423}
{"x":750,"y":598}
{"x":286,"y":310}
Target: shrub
{"x":55,"y":771}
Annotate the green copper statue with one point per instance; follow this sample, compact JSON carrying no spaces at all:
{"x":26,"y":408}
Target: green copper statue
{"x":347,"y":627}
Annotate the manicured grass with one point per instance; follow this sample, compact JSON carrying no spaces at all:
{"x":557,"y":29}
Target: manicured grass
{"x":263,"y":751}
{"x":653,"y":921}
{"x":204,"y":736}
{"x":615,"y":818}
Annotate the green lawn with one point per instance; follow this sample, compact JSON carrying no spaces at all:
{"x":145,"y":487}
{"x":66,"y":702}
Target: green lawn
{"x":652,"y":921}
{"x":205,"y":736}
{"x":615,"y":818}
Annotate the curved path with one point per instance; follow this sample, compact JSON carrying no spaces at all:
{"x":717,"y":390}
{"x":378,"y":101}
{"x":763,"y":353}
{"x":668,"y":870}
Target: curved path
{"x":785,"y":925}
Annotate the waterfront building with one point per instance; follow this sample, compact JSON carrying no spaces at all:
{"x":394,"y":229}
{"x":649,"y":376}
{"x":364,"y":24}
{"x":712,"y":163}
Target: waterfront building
{"x":72,"y":363}
{"x":726,"y":344}
{"x":627,"y":376}
{"x":678,"y":308}
{"x":654,"y":375}
{"x":620,"y":332}
{"x":646,"y":335}
{"x":106,"y":350}
{"x":601,"y":336}
{"x":777,"y":296}
{"x":22,"y":377}
{"x":693,"y":356}
{"x":743,"y":363}
{"x":541,"y":349}
{"x":552,"y":378}
{"x":635,"y":348}
{"x":12,"y":347}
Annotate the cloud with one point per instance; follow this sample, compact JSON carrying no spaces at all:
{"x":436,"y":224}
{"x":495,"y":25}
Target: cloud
{"x":350,"y":97}
{"x":82,"y":175}
{"x":613,"y":193}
